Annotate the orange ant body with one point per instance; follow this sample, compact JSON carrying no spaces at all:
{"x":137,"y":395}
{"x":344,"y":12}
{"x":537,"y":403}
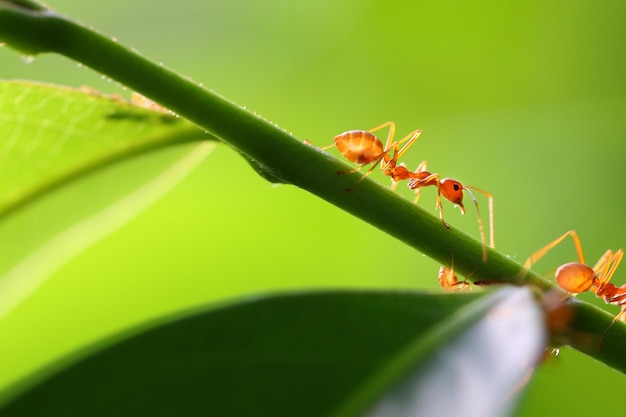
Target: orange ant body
{"x":577,"y":277}
{"x":449,"y":281}
{"x":363,"y":147}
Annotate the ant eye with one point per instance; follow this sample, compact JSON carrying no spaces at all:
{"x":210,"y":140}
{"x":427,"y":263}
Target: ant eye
{"x":456,"y":187}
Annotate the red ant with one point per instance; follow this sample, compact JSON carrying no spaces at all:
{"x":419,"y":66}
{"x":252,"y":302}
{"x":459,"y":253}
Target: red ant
{"x":363,"y":147}
{"x":577,"y":277}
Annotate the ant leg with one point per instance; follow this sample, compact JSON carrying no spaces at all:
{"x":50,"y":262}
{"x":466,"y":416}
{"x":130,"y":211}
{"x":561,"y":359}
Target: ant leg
{"x":440,"y":207}
{"x":437,"y":182}
{"x":423,"y":166}
{"x":308,"y":142}
{"x":417,"y":195}
{"x":386,"y":163}
{"x":535,"y":257}
{"x":409,"y":139}
{"x":432,"y":179}
{"x":606,"y":266}
{"x":352,"y":171}
{"x":369,"y":171}
{"x":618,"y":298}
{"x":481,"y":227}
{"x":392,"y":130}
{"x":600,"y":269}
{"x":492,"y":239}
{"x":385,"y":160}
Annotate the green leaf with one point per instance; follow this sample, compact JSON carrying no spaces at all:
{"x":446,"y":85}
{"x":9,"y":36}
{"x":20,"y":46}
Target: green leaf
{"x":284,"y":355}
{"x":474,"y":364}
{"x":50,"y":134}
{"x":67,"y":179}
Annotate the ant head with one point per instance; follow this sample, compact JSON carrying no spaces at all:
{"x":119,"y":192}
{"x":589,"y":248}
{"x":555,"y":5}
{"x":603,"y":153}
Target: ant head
{"x":452,"y":190}
{"x":575,"y":277}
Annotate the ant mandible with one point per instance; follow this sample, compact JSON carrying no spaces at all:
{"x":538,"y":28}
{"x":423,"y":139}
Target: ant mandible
{"x":577,"y":277}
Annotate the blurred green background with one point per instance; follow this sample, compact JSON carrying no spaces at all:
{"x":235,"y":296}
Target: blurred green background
{"x":524,"y":99}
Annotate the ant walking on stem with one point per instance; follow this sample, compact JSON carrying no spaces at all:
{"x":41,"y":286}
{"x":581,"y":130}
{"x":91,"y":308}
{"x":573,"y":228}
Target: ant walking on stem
{"x":577,"y":277}
{"x":363,"y":147}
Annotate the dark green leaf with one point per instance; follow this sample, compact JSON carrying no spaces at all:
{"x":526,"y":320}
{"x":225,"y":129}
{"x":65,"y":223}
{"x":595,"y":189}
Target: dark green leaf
{"x":285,"y":355}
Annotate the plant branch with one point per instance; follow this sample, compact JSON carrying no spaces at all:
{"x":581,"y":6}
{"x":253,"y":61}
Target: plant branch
{"x":275,"y":153}
{"x":270,"y":149}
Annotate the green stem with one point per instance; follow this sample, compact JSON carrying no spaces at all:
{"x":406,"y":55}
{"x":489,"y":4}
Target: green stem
{"x":593,"y":332}
{"x":273,"y":152}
